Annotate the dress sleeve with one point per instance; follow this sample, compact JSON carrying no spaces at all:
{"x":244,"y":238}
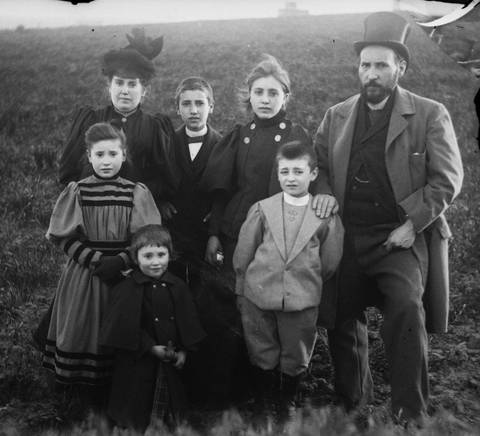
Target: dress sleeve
{"x":67,"y":229}
{"x":144,"y":209}
{"x":219,"y":174}
{"x":219,"y":177}
{"x":165,"y":183}
{"x":73,"y":158}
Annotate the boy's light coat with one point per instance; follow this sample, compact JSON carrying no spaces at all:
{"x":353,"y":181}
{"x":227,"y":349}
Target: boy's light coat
{"x":270,"y":279}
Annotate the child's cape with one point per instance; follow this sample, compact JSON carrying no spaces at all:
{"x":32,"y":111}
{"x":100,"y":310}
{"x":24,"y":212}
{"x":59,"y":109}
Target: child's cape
{"x":121,"y":326}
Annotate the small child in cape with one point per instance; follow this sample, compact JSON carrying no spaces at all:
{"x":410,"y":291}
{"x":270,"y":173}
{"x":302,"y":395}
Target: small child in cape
{"x":151,"y":324}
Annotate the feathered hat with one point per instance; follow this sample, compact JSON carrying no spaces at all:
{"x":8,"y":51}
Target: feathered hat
{"x":388,"y":30}
{"x":134,"y":60}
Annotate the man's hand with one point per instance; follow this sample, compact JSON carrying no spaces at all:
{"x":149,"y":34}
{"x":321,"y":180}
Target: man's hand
{"x":159,"y":351}
{"x":167,"y":210}
{"x":324,"y":205}
{"x":214,"y":246}
{"x":401,"y":237}
{"x":181,"y":358}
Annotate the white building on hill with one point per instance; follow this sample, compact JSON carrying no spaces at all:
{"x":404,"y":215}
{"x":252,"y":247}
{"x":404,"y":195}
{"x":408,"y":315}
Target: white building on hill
{"x":291,"y":10}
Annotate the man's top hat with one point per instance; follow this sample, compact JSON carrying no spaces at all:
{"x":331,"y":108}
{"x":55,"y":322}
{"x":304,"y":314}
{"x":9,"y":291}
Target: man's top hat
{"x":386,"y":29}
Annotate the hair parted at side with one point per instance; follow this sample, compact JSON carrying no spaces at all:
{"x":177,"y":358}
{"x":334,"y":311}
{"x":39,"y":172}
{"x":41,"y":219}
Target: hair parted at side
{"x":268,"y":66}
{"x":104,"y":131}
{"x":151,"y":234}
{"x":194,"y":83}
{"x":297,"y":150}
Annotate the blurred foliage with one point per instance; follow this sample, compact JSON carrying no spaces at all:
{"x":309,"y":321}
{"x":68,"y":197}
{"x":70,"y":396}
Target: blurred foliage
{"x":46,"y":74}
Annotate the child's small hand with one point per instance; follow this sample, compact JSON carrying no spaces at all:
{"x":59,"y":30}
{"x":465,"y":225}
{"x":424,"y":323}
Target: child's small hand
{"x":159,"y":351}
{"x":181,"y":358}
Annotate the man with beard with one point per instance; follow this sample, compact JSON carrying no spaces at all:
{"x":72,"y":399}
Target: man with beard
{"x":390,"y":165}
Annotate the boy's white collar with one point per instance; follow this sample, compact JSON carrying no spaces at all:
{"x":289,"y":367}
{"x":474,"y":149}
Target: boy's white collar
{"x":296,"y":201}
{"x":193,"y":134}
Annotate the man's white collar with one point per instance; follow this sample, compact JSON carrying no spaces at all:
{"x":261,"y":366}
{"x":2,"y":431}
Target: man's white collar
{"x":378,"y":106}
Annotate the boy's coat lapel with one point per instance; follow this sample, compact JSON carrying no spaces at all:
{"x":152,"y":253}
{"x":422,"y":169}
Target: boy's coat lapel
{"x":273,"y":211}
{"x":271,"y":208}
{"x":308,"y":227}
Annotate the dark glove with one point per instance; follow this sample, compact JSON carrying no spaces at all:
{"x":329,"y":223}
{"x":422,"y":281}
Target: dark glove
{"x":109,"y":267}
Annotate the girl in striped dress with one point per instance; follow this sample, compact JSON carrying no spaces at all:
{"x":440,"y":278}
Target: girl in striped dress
{"x":92,"y":222}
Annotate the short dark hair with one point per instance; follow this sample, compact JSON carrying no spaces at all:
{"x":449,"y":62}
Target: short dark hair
{"x":151,"y":234}
{"x":104,"y":131}
{"x":297,"y":150}
{"x":194,"y":83}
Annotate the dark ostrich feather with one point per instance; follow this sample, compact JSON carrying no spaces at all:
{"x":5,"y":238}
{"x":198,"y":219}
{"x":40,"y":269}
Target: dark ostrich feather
{"x":147,"y":46}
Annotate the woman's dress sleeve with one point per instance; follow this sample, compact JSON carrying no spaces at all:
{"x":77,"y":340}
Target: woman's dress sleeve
{"x":74,"y":158}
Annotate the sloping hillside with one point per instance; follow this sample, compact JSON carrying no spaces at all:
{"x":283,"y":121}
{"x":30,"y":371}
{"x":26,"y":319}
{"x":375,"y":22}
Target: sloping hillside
{"x":46,"y":74}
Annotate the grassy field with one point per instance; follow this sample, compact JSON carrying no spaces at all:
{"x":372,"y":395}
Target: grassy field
{"x":46,"y":74}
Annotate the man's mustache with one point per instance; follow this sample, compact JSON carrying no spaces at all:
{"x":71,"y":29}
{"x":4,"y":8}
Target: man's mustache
{"x":372,"y":83}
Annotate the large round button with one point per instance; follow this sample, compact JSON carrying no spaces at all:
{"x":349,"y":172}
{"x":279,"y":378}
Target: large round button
{"x":246,"y":140}
{"x":277,"y":138}
{"x":282,"y":125}
{"x":252,"y":126}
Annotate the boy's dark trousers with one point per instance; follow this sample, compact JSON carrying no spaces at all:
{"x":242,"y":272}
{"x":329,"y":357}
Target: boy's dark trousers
{"x":394,"y":282}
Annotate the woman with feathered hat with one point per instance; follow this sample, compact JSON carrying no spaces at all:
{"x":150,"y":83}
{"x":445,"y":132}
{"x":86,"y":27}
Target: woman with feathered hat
{"x":150,"y":137}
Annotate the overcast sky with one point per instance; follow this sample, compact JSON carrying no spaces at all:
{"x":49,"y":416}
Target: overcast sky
{"x":55,"y":13}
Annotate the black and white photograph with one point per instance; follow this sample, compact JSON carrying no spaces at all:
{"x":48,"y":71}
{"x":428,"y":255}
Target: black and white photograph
{"x":239,"y":217}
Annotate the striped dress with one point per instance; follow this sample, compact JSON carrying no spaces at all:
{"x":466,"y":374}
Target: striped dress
{"x":91,"y":218}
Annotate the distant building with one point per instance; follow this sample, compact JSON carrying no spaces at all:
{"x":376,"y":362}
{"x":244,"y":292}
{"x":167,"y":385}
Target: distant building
{"x":291,"y":10}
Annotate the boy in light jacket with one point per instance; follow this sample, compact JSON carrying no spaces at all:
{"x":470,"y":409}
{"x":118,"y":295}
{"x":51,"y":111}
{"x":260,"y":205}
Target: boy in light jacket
{"x":283,"y":256}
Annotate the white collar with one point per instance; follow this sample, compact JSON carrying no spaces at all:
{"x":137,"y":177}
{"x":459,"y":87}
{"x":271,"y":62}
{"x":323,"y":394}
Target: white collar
{"x":296,"y":201}
{"x":378,"y":106}
{"x":193,"y":134}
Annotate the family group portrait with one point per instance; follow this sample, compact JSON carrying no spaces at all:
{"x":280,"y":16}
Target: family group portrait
{"x":258,"y":218}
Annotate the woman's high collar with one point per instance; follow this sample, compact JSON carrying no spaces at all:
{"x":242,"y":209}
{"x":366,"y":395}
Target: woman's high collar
{"x":261,"y":122}
{"x":119,"y":114}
